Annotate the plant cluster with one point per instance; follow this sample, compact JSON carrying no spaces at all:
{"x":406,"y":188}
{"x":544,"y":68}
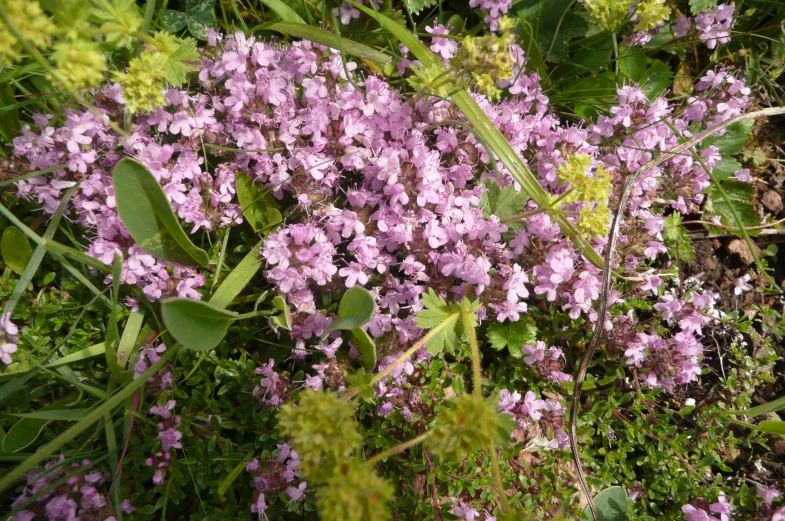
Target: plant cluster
{"x":298,"y":279}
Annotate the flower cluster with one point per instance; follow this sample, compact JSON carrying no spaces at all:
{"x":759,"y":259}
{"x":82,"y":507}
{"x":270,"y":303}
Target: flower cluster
{"x":494,"y":10}
{"x":60,"y":491}
{"x":169,"y":435}
{"x":528,"y":410}
{"x":712,"y":26}
{"x":275,"y":475}
{"x":673,"y":360}
{"x":8,"y":338}
{"x":547,"y":361}
{"x":699,"y":513}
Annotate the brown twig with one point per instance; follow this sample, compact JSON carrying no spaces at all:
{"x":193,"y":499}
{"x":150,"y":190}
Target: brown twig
{"x":610,"y":250}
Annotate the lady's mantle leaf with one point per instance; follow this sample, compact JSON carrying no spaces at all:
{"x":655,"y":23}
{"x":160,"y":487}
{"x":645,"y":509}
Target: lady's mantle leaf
{"x":443,"y":321}
{"x":513,"y":335}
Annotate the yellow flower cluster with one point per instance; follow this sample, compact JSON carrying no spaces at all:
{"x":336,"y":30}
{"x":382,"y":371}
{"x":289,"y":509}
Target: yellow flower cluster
{"x":609,"y":14}
{"x":484,"y":60}
{"x":80,"y":65}
{"x":144,"y":83}
{"x":32,"y":24}
{"x":593,"y":189}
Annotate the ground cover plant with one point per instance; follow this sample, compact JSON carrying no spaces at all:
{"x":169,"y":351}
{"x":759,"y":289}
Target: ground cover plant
{"x":363,"y":260}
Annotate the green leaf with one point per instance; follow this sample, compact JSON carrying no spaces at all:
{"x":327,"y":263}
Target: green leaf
{"x":766,"y":408}
{"x":553,"y":24}
{"x":199,"y":22}
{"x":676,"y":239}
{"x":438,"y":314}
{"x":284,"y":12}
{"x":258,"y":204}
{"x":734,"y":139}
{"x":503,"y":202}
{"x":632,"y":63}
{"x":698,"y":6}
{"x":22,"y":434}
{"x":9,"y":121}
{"x":611,"y":505}
{"x":726,"y":168}
{"x":193,"y":7}
{"x":357,"y":307}
{"x":146,"y":213}
{"x":513,"y":335}
{"x":16,"y":249}
{"x":284,"y":319}
{"x":183,"y":60}
{"x":239,"y":278}
{"x":197,"y":325}
{"x":366,"y":347}
{"x":739,"y":197}
{"x":226,"y":483}
{"x":174,"y":21}
{"x":415,"y":6}
{"x":772,"y":427}
{"x":656,"y":79}
{"x":331,"y":40}
{"x":54,"y":415}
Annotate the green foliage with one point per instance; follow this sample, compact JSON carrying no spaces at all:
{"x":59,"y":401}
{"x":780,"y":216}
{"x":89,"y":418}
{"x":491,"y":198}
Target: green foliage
{"x":198,"y":16}
{"x":324,"y":432}
{"x":729,"y":200}
{"x":354,"y":492}
{"x":553,"y":24}
{"x":611,"y":504}
{"x":676,"y":239}
{"x":502,"y":202}
{"x":462,"y":426}
{"x":357,"y":307}
{"x":443,"y":320}
{"x":197,"y":325}
{"x":513,"y":335}
{"x":146,"y":213}
{"x":15,"y":249}
{"x":698,"y":6}
{"x":258,"y":204}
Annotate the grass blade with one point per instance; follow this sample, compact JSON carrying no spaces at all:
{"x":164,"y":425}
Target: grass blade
{"x":314,"y":34}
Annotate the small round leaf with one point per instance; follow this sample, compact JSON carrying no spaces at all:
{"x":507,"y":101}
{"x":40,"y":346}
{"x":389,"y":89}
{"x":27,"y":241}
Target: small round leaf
{"x":195,"y":324}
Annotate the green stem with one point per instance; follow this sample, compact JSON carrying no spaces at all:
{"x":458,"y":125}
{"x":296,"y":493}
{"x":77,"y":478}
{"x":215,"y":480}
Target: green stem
{"x":524,"y":215}
{"x":28,"y":175}
{"x":406,"y":355}
{"x":467,"y":324}
{"x":398,"y":448}
{"x":497,"y":474}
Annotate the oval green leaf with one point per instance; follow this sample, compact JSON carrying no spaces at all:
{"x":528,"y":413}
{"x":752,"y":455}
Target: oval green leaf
{"x":195,"y":324}
{"x":611,"y":505}
{"x":15,"y":249}
{"x":146,"y":213}
{"x":356,"y":309}
{"x":22,"y":434}
{"x":258,"y":204}
{"x":367,"y":348}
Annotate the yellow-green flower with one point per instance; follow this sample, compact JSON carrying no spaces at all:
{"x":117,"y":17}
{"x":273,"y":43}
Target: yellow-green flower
{"x":80,"y":65}
{"x":144,"y":83}
{"x":607,"y":14}
{"x":31,"y":22}
{"x":651,"y":13}
{"x":354,"y":493}
{"x":323,"y":431}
